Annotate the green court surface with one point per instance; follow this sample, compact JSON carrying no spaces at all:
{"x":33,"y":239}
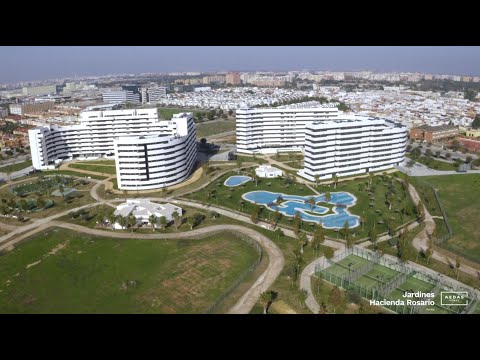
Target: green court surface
{"x":337,"y":270}
{"x":378,"y":276}
{"x":353,"y":262}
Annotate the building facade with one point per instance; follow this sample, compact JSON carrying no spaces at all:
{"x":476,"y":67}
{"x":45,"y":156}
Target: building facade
{"x":120,"y":97}
{"x":433,"y":133}
{"x":276,"y":130}
{"x":39,"y":90}
{"x":157,"y":160}
{"x":103,"y":133}
{"x":233,"y":78}
{"x":352,"y":145}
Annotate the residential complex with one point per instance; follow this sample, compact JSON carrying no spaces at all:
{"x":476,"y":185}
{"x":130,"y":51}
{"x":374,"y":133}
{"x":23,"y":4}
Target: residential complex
{"x":352,"y":145}
{"x":433,"y":133}
{"x":233,"y":78}
{"x":142,"y":209}
{"x":277,"y":129}
{"x":149,"y":153}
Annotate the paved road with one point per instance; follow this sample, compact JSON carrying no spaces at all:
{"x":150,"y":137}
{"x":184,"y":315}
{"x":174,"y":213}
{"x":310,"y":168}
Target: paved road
{"x":422,"y":170}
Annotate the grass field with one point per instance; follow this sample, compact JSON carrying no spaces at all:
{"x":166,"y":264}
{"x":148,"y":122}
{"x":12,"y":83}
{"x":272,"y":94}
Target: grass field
{"x":167,"y":113}
{"x":99,"y":162}
{"x":73,"y":173}
{"x":15,"y":167}
{"x":434,"y":164}
{"x":459,"y":195}
{"x":206,"y":129}
{"x":86,"y":275}
{"x":102,"y":169}
{"x":378,"y":213}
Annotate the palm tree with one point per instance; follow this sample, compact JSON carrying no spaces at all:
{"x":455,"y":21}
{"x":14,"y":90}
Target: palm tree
{"x":328,"y":197}
{"x":122,"y":221}
{"x":266,"y":298}
{"x":163,"y":222}
{"x":125,"y":194}
{"x":152,"y":219}
{"x":303,"y":294}
{"x":176,"y":217}
{"x":457,"y":265}
{"x":131,"y":221}
{"x":390,"y":196}
{"x":254,"y":177}
{"x":311,"y":201}
{"x":111,"y":218}
{"x":303,"y":240}
{"x":317,"y":180}
{"x":335,"y":181}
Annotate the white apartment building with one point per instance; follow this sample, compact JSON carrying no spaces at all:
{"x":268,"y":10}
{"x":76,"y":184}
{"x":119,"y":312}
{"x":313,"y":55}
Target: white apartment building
{"x":352,"y":145}
{"x":158,"y":160}
{"x":153,"y":94}
{"x":120,"y":97}
{"x":272,"y":130}
{"x":103,"y":133}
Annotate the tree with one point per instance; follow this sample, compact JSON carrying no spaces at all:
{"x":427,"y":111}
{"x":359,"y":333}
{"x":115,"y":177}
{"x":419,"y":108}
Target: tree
{"x":318,"y":238}
{"x":279,"y":233}
{"x":266,"y":298}
{"x":328,"y":252}
{"x":335,"y":181}
{"x":276,"y":217}
{"x":111,"y":218}
{"x":254,"y":177}
{"x":303,"y":295}
{"x":297,"y":223}
{"x":373,"y":235}
{"x":468,"y":159}
{"x":163,"y":222}
{"x":409,"y":148}
{"x":420,"y":211}
{"x":203,"y":142}
{"x":416,"y":153}
{"x":455,"y":145}
{"x":254,"y":214}
{"x":191,"y":222}
{"x":152,"y":219}
{"x":448,"y":155}
{"x":122,"y":221}
{"x":176,"y":219}
{"x":428,"y":153}
{"x":323,"y":308}
{"x":410,"y":163}
{"x":457,"y":265}
{"x":206,"y":168}
{"x":429,"y":251}
{"x":389,"y":197}
{"x":317,"y":180}
{"x":328,"y":197}
{"x":311,"y":201}
{"x":437,"y":153}
{"x":345,"y":231}
{"x":335,"y":298}
{"x":125,"y":194}
{"x":476,"y":122}
{"x":303,"y":240}
{"x":131,"y":221}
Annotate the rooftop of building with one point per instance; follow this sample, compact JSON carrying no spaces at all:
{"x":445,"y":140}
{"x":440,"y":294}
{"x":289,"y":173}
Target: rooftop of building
{"x":145,"y":208}
{"x":435,"y":128}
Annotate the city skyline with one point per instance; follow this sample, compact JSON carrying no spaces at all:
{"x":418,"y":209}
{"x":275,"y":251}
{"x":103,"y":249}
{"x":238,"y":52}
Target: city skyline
{"x":19,"y":64}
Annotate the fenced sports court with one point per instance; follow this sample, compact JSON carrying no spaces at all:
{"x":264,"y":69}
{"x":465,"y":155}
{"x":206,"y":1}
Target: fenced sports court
{"x":376,"y":277}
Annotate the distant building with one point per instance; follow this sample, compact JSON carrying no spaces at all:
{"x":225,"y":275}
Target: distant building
{"x":120,"y":97}
{"x":233,"y":78}
{"x":31,"y":108}
{"x":267,"y":171}
{"x":202,"y":88}
{"x":152,"y":94}
{"x":3,"y":112}
{"x":473,"y":133}
{"x":40,"y":90}
{"x":142,"y":209}
{"x":433,"y":133}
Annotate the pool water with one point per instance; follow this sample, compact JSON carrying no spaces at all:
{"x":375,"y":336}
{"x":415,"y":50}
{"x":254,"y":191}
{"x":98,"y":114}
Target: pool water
{"x":293,"y":203}
{"x":237,"y":180}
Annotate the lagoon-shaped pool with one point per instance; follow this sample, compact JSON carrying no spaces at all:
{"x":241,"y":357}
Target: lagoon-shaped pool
{"x":237,"y":180}
{"x":293,"y":203}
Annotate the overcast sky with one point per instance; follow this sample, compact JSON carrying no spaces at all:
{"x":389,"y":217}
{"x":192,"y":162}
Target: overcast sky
{"x":37,"y":63}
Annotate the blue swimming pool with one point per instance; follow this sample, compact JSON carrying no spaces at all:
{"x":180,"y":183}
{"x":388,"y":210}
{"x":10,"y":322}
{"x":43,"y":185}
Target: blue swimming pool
{"x":293,"y":203}
{"x":237,"y":180}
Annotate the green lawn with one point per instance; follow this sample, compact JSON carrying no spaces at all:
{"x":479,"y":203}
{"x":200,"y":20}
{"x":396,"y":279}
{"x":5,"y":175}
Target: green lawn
{"x":86,"y":276}
{"x":231,"y":198}
{"x":434,"y":164}
{"x":73,"y":173}
{"x":167,"y":113}
{"x":102,"y":169}
{"x":99,"y":162}
{"x":15,"y":167}
{"x":205,"y":129}
{"x":459,"y":195}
